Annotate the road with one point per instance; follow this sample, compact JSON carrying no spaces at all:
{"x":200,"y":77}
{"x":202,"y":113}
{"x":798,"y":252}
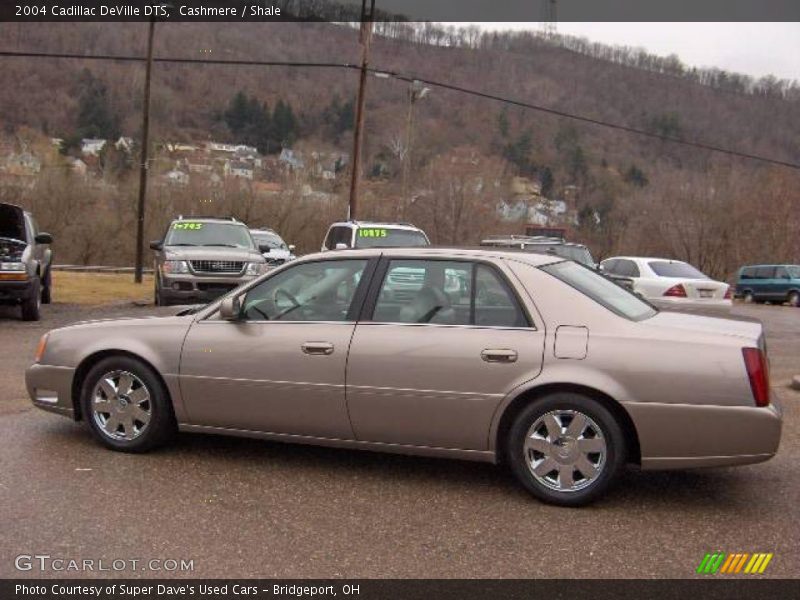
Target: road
{"x":247,"y":508}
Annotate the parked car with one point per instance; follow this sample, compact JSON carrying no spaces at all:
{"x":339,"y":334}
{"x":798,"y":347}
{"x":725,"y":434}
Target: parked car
{"x":769,"y":283}
{"x":201,"y":258}
{"x":540,"y":362}
{"x":543,"y":245}
{"x":668,"y":282}
{"x":26,"y":261}
{"x":272,"y":246}
{"x":363,"y":234}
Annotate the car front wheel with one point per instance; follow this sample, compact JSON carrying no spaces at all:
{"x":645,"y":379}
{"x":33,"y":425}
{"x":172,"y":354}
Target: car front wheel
{"x":32,"y":305}
{"x":794,"y":299}
{"x":126,"y":405}
{"x":566,"y":449}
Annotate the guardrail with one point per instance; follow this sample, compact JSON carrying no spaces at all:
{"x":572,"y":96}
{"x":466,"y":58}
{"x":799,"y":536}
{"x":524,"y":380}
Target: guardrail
{"x":97,"y":269}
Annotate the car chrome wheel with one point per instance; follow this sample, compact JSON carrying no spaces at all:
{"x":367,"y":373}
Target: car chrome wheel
{"x":565,"y":450}
{"x":121,"y":405}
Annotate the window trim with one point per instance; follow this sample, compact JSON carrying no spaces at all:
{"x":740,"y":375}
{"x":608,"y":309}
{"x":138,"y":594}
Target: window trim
{"x":371,"y":301}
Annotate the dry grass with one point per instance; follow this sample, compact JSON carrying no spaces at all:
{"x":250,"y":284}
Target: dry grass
{"x":100,"y":288}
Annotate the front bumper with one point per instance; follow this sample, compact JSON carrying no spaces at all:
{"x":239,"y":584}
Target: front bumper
{"x":188,"y":289}
{"x":14,"y":290}
{"x":681,"y":436}
{"x":50,"y":388}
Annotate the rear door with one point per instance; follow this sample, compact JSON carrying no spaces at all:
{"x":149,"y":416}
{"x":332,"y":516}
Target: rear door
{"x":429,"y":367}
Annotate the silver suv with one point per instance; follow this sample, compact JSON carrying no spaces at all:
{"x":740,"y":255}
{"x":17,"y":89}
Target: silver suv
{"x":201,"y":258}
{"x":25,"y":262}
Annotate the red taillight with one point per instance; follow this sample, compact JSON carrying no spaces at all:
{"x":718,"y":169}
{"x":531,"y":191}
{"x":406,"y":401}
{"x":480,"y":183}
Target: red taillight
{"x":676,"y":291}
{"x":755,"y":361}
{"x":728,"y":294}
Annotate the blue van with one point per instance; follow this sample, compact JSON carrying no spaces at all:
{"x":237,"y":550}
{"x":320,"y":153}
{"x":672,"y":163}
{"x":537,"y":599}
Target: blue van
{"x":769,"y":283}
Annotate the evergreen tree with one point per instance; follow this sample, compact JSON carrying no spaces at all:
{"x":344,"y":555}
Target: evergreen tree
{"x":546,"y":181}
{"x":96,"y":118}
{"x":284,"y":124}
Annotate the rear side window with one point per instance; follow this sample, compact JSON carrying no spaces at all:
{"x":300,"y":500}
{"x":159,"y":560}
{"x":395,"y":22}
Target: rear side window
{"x":765,"y":272}
{"x":447,"y":293}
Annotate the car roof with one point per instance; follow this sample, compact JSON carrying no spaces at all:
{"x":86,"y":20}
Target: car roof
{"x":360,"y":224}
{"x":440,"y":252}
{"x":227,"y":220}
{"x":644,"y":258}
{"x":529,"y":241}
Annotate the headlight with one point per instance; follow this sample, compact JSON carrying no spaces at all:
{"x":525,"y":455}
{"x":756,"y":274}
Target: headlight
{"x":254,"y":269}
{"x":12,"y":266}
{"x":175,"y":267}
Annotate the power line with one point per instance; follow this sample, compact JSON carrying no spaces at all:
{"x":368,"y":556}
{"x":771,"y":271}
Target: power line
{"x":411,"y":79}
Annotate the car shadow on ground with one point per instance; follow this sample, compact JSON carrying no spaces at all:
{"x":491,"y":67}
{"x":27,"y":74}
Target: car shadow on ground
{"x":724,"y":488}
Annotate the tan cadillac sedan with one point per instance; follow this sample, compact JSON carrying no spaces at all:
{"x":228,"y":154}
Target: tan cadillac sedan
{"x":485,"y":355}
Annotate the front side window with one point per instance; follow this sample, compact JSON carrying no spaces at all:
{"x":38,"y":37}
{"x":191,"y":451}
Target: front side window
{"x":319,"y":291}
{"x":224,"y":235}
{"x":386,"y":237}
{"x":446,"y":293}
{"x":603,"y":291}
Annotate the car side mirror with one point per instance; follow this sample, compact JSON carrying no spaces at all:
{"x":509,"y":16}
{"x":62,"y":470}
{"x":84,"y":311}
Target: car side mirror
{"x":292,"y":247}
{"x":230,"y":309}
{"x":44,"y":238}
{"x":341,"y":246}
{"x":157,"y":245}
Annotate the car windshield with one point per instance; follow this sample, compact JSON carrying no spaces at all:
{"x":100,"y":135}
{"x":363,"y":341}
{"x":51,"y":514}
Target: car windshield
{"x":603,"y":291}
{"x":663,"y":268}
{"x":271,"y":240}
{"x":386,"y":237}
{"x":194,"y":233}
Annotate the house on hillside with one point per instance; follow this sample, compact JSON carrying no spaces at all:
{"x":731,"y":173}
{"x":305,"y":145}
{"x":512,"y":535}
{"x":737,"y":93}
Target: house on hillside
{"x":238,"y":169}
{"x":176,"y":177}
{"x":92,"y":146}
{"x":291,"y":159}
{"x":23,"y":163}
{"x":124,"y":144}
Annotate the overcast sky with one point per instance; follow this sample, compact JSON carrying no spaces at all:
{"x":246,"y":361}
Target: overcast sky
{"x":756,"y":49}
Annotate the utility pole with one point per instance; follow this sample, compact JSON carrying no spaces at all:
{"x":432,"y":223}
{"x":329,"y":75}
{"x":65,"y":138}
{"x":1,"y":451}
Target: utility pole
{"x":144,"y":157}
{"x":365,"y":38}
{"x":415,"y":92}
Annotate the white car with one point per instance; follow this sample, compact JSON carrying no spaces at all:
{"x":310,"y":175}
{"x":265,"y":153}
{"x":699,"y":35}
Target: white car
{"x":272,"y":246}
{"x":668,"y":282}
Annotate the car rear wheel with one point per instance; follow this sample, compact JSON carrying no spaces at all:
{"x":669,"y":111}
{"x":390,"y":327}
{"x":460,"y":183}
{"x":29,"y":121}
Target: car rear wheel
{"x":126,"y":405}
{"x":794,"y":299}
{"x":566,"y":449}
{"x":31,"y":306}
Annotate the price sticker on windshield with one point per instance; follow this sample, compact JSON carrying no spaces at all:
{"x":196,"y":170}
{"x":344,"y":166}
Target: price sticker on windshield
{"x":187,"y":226}
{"x":372,"y":233}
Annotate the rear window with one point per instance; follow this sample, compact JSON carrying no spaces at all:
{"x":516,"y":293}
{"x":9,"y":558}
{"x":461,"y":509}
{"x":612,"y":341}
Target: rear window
{"x":663,"y":268}
{"x":386,"y":237}
{"x":603,"y":291}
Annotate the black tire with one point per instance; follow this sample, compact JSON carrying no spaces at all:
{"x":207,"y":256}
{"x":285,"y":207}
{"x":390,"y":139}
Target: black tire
{"x":159,"y":428}
{"x":600,"y":424}
{"x":793,"y":299}
{"x":47,"y":287}
{"x":31,"y":306}
{"x":747,"y":297}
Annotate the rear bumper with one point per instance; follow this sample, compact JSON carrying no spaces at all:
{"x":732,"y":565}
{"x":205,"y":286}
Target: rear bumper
{"x":683,"y":436}
{"x":50,"y":388}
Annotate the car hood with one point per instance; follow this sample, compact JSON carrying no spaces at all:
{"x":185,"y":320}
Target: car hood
{"x":748,"y":330}
{"x":12,"y":222}
{"x":126,"y":322}
{"x":212,"y":253}
{"x":278,"y":253}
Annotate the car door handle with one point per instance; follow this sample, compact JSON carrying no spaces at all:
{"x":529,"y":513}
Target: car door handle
{"x":504,"y":356}
{"x":323,"y":348}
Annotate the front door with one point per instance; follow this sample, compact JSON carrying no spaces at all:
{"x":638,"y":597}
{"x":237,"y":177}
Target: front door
{"x":446,"y":342}
{"x":281,"y":367}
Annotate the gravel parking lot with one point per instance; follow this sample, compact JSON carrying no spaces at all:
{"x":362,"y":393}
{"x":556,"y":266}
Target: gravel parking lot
{"x":246,"y":508}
